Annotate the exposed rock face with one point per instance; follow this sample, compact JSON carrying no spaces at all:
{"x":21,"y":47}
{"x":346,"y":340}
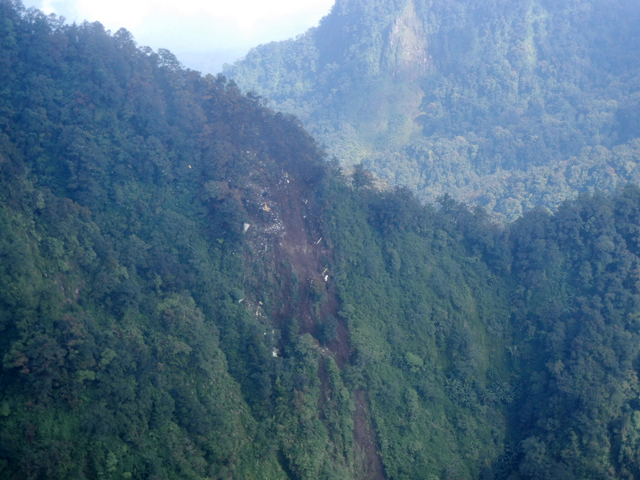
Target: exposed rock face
{"x":405,"y":56}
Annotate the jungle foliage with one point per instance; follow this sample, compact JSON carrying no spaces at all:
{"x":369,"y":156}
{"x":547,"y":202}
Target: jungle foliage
{"x":506,"y":104}
{"x":188,"y":289}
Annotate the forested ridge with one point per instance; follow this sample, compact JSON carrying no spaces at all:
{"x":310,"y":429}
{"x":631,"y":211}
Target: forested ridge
{"x":506,"y":104}
{"x":190,"y":289}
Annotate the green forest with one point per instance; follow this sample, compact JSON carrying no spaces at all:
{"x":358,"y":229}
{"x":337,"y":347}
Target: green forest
{"x":191,"y":288}
{"x":507,"y":104}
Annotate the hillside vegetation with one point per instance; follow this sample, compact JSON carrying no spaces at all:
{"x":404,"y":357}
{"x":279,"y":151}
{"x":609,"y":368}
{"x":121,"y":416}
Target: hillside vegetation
{"x":189,"y":289}
{"x":506,"y":104}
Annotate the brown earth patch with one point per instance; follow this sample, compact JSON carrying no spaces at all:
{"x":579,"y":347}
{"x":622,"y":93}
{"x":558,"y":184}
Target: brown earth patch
{"x":365,"y":437}
{"x":288,"y":231}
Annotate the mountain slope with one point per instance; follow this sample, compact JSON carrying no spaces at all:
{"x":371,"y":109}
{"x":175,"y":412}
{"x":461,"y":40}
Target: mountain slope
{"x":505,"y":104}
{"x":189,"y":290}
{"x":168,"y":302}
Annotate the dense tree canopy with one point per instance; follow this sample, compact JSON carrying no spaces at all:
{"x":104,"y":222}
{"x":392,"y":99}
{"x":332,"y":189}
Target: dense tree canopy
{"x":506,"y":104}
{"x":188,"y":289}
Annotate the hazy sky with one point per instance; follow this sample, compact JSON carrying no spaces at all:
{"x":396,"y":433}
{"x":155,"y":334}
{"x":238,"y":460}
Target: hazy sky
{"x":203,"y":34}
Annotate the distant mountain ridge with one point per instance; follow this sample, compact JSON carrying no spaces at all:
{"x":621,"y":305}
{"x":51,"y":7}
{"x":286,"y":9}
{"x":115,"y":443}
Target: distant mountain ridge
{"x":500,"y":103}
{"x":190,"y":290}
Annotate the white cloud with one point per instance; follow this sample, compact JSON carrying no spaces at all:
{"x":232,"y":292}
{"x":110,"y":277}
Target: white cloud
{"x":193,"y":26}
{"x":248,"y":18}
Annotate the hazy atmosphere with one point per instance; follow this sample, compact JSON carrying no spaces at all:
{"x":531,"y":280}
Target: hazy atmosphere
{"x":202,"y":34}
{"x":410,"y":252}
